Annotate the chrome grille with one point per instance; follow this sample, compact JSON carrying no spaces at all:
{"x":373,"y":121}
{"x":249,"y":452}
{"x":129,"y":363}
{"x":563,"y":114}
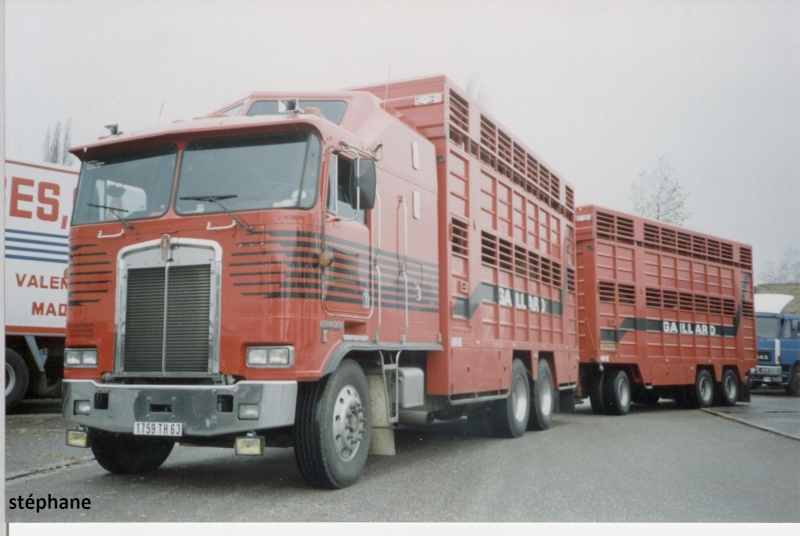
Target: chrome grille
{"x":167,"y":320}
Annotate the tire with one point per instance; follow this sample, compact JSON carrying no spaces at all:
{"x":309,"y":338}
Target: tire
{"x":543,"y":399}
{"x":128,"y":454}
{"x":510,"y":416}
{"x":704,"y":389}
{"x":17,"y":378}
{"x":793,"y":387}
{"x":728,"y":389}
{"x":333,"y":426}
{"x":596,"y":392}
{"x":616,"y":393}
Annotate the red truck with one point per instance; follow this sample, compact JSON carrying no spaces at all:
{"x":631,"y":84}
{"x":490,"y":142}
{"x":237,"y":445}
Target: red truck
{"x":309,"y":270}
{"x":664,"y":312}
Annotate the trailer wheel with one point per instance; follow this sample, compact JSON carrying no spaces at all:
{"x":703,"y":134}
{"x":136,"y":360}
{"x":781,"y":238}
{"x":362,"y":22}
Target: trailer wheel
{"x":510,"y":416}
{"x":703,"y":389}
{"x":333,"y":426}
{"x":596,"y":392}
{"x":128,"y":454}
{"x":793,"y":387}
{"x":543,"y":399}
{"x":17,"y":378}
{"x":728,"y":389}
{"x":616,"y":393}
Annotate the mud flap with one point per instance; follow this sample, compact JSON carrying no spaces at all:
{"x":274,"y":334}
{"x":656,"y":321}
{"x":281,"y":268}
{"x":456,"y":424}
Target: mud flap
{"x":744,"y":392}
{"x":382,"y":439}
{"x":566,"y":401}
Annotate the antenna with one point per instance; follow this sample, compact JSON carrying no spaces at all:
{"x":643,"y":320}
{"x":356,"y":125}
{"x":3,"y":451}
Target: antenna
{"x":159,"y":113}
{"x":386,"y":91}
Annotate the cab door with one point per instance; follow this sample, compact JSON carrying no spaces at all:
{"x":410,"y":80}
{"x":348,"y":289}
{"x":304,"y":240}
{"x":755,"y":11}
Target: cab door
{"x":347,"y":287}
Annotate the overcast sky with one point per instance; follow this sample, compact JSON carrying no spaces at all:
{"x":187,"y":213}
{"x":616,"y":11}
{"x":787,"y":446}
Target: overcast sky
{"x":598,"y":89}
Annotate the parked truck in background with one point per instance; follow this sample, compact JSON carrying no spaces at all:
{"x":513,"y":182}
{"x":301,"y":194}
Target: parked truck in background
{"x":38,"y":201}
{"x":778,"y":344}
{"x":309,"y":270}
{"x":664,"y":312}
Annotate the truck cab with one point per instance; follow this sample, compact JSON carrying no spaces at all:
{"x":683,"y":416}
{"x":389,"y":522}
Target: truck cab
{"x":778,"y":347}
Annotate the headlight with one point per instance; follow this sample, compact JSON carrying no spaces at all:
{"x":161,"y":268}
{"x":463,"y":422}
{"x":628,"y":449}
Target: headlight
{"x":80,"y":357}
{"x":270,"y":356}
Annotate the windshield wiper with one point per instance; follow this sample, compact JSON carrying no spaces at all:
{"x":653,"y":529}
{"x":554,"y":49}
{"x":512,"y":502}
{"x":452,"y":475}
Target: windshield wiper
{"x":114,"y":211}
{"x":216,"y":200}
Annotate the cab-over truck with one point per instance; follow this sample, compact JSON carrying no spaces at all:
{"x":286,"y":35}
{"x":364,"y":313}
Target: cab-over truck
{"x":310,"y":270}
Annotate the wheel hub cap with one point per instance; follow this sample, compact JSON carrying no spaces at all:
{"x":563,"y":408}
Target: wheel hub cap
{"x":348,"y":422}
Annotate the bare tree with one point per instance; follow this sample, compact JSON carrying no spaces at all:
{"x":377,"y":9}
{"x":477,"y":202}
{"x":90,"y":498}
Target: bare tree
{"x":475,"y":91}
{"x":659,"y":195}
{"x":786,"y":270}
{"x":57,"y":142}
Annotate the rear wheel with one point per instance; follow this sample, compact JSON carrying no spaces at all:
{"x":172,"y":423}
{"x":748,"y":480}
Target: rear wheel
{"x":510,"y":416}
{"x":127,"y":453}
{"x":616,"y":393}
{"x":17,"y":378}
{"x":704,"y":389}
{"x":543,"y":399}
{"x":596,"y":392}
{"x":333,"y":428}
{"x":728,"y":389}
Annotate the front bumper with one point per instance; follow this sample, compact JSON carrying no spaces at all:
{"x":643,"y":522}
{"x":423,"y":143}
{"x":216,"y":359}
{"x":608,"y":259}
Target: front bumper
{"x":766,"y":373}
{"x":204,"y":411}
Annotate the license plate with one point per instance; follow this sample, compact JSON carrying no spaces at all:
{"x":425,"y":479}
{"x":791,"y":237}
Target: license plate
{"x":171,"y":429}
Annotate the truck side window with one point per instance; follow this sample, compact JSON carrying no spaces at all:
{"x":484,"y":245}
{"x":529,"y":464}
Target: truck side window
{"x":339,"y":199}
{"x":787,"y":329}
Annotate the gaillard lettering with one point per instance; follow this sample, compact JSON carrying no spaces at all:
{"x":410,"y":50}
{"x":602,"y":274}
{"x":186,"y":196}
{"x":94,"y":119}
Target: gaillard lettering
{"x":504,"y":297}
{"x":520,"y":300}
{"x":689,"y":328}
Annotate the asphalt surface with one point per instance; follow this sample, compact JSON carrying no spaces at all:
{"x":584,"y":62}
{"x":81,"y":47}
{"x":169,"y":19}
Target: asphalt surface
{"x":656,"y":464}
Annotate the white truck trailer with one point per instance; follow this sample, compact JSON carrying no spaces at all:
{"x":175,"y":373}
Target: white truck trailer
{"x":38,"y":206}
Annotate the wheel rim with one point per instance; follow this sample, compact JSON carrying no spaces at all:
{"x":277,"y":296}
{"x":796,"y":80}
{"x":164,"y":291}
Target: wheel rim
{"x":519,"y":403}
{"x":545,"y":397}
{"x":624,"y":394}
{"x":706,"y":390}
{"x":348,"y":422}
{"x":11,"y":378}
{"x":731,"y":389}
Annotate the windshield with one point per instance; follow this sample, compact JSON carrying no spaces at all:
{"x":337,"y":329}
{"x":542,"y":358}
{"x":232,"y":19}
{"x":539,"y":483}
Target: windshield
{"x":768,"y":327}
{"x":272,"y":171}
{"x":130,"y":186}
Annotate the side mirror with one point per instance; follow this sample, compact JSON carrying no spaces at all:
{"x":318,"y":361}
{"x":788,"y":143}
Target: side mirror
{"x":362,"y":184}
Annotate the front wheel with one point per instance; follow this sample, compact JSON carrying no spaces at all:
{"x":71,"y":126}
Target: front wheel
{"x":127,"y":453}
{"x":333,"y":426}
{"x":793,"y":387}
{"x":510,"y":416}
{"x":703,"y":389}
{"x":543,"y":399}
